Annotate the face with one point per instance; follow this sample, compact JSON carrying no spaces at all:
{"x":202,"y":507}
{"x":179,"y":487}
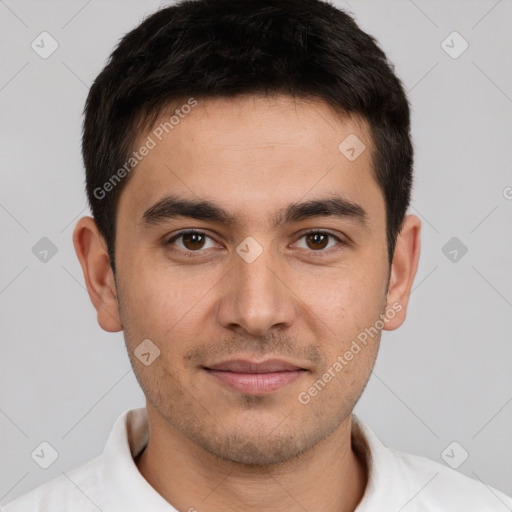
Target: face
{"x":267,"y":295}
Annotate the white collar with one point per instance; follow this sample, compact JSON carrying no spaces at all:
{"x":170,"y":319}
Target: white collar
{"x":130,"y":435}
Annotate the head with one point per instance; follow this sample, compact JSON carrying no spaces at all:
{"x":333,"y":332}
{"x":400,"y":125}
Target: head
{"x":279,"y":133}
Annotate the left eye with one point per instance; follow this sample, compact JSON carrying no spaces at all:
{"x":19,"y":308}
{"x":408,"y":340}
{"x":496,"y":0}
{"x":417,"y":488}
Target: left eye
{"x":194,"y":241}
{"x":318,"y":240}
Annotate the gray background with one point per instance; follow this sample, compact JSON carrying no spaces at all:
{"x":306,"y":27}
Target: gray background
{"x":443,"y":377}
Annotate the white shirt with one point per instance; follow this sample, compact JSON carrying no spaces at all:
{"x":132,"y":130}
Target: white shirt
{"x":397,"y":481}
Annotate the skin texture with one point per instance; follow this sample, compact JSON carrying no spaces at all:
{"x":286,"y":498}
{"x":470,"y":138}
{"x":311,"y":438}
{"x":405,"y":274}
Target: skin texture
{"x":211,"y":447}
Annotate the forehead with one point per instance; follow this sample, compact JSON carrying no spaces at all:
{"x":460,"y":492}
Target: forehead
{"x":253,"y":154}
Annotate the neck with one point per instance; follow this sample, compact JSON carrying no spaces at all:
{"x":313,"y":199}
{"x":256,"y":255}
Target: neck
{"x":330,"y":477}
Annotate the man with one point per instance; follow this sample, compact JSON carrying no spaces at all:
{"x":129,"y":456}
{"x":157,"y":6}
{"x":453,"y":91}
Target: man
{"x":249,"y":168}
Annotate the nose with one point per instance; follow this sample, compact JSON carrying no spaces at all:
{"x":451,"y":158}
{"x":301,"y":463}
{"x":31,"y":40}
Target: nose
{"x":255,"y":298}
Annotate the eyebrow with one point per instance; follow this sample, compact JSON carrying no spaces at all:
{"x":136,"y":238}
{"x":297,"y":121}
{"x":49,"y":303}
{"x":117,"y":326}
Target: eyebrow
{"x":172,"y":207}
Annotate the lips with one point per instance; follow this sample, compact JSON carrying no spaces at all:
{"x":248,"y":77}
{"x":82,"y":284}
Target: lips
{"x":243,"y":366}
{"x":252,"y":377}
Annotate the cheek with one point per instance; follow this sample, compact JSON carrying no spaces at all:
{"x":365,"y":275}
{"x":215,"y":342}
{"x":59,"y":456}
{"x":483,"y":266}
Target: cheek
{"x":147,"y":307}
{"x":346,"y":299}
{"x":160,"y":305}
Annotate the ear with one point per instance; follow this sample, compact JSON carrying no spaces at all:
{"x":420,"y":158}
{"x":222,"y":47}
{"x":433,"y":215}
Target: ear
{"x":403,"y":270}
{"x":91,"y":249}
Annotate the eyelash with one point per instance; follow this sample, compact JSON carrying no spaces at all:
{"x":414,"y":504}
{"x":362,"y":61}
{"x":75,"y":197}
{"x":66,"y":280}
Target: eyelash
{"x":192,"y":254}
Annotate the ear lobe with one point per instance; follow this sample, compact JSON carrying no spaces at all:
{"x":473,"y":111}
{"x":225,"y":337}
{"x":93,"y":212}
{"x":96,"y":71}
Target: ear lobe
{"x":403,"y":270}
{"x":91,"y":250}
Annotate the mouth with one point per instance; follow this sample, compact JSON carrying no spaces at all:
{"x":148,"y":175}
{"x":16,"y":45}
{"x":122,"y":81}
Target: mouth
{"x":255,"y":378}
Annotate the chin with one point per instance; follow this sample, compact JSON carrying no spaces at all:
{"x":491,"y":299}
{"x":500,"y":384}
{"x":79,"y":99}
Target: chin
{"x":255,"y":451}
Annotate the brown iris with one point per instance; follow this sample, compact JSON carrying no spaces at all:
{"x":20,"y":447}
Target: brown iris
{"x":193,"y":241}
{"x":319,"y":240}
